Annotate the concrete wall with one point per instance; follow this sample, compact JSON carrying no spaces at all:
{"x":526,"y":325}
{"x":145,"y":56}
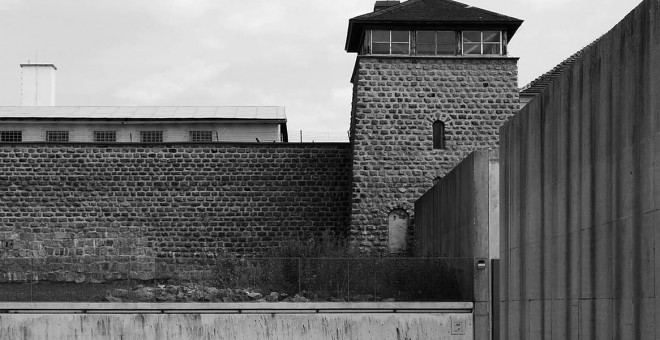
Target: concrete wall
{"x":129,"y":131}
{"x":247,"y":321}
{"x":91,"y":212}
{"x":395,"y":102}
{"x":336,"y":326}
{"x":457,"y":217}
{"x":580,"y":183}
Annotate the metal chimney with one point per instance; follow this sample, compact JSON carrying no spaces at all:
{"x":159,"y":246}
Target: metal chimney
{"x":38,"y":84}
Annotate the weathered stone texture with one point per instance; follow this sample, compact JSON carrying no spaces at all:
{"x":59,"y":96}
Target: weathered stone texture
{"x":395,"y":102}
{"x":90,"y":212}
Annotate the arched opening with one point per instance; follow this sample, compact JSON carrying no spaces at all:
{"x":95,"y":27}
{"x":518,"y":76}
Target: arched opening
{"x":438,"y":134}
{"x":398,"y":230}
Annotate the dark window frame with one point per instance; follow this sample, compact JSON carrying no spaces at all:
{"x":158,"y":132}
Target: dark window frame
{"x":11,"y":136}
{"x":453,"y":44}
{"x":105,"y":136}
{"x":439,"y":135}
{"x":201,"y":136}
{"x":483,"y":43}
{"x":151,"y":136}
{"x":459,"y":42}
{"x":57,"y":136}
{"x":390,"y":42}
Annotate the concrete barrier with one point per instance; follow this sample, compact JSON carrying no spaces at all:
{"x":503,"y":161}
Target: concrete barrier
{"x":23,"y":321}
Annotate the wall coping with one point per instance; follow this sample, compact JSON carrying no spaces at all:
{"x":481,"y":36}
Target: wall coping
{"x":233,"y":308}
{"x":170,"y":144}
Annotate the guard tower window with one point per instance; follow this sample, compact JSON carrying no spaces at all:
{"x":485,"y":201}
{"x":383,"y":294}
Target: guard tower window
{"x":201,"y":136}
{"x":11,"y":136}
{"x":438,"y":134}
{"x":57,"y":136}
{"x":151,"y":136}
{"x":436,"y":42}
{"x":105,"y":136}
{"x":390,"y":42}
{"x":482,"y":42}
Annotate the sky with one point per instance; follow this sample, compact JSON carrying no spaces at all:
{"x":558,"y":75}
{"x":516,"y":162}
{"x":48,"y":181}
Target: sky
{"x":256,"y":52}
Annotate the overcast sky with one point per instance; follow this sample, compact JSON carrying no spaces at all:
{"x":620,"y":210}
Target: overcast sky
{"x":255,"y":52}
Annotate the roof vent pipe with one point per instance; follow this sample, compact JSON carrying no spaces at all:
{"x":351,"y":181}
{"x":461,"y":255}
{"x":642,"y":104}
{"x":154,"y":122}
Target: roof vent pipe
{"x":38,"y":84}
{"x":384,"y":4}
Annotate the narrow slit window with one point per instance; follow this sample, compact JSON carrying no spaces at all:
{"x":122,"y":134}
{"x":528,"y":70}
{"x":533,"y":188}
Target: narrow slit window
{"x":438,"y":134}
{"x":11,"y":136}
{"x":57,"y":136}
{"x":151,"y":136}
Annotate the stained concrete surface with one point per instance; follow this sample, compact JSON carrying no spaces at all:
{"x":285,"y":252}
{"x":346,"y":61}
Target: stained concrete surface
{"x":361,"y":326}
{"x":580,"y":179}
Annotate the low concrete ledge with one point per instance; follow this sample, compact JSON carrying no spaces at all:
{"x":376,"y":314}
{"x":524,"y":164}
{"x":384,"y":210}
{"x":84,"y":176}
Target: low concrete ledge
{"x":234,"y":308}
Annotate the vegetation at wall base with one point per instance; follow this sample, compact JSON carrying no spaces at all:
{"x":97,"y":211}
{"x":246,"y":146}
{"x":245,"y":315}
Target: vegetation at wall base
{"x":321,"y":268}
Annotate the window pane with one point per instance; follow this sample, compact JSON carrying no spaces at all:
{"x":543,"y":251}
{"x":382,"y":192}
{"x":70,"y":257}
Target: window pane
{"x":446,"y":37}
{"x":425,"y":48}
{"x":380,"y":36}
{"x":11,"y":136}
{"x":400,"y":36}
{"x":105,"y":136}
{"x":201,"y":136}
{"x":400,"y":48}
{"x":490,"y":48}
{"x":471,"y":37}
{"x":57,"y":136}
{"x":151,"y":136}
{"x":492,"y":37}
{"x":447,"y":49}
{"x":471,"y":48}
{"x":425,"y":37}
{"x":380,"y":48}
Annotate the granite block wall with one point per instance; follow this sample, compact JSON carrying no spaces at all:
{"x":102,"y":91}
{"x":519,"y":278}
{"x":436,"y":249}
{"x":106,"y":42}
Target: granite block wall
{"x":580,"y":181}
{"x":85,"y":212}
{"x":396,"y":100}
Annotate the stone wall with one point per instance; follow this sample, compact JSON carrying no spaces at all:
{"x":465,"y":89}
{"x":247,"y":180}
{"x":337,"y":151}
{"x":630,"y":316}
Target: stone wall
{"x":581,"y":195}
{"x":395,"y":102}
{"x":98,"y":212}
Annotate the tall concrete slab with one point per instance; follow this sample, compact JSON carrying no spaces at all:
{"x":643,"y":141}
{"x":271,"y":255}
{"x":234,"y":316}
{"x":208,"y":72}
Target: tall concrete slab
{"x":459,"y":217}
{"x":580,"y":188}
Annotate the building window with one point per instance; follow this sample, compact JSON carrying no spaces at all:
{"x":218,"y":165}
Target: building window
{"x":151,"y":136}
{"x":201,"y":136}
{"x":57,"y":136}
{"x":482,"y":42}
{"x":105,"y":136}
{"x":438,"y":135}
{"x":11,"y":136}
{"x":390,"y":42}
{"x":436,"y":42}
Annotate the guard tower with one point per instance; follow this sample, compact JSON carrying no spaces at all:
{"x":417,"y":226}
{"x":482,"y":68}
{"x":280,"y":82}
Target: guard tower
{"x":432,"y":83}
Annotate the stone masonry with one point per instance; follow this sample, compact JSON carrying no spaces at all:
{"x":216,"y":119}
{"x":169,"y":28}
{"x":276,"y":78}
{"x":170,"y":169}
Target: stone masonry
{"x":85,"y":212}
{"x":395,"y":102}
